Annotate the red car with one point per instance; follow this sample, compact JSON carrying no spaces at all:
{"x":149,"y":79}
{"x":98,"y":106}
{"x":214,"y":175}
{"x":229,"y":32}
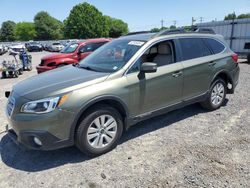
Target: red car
{"x":71,"y":54}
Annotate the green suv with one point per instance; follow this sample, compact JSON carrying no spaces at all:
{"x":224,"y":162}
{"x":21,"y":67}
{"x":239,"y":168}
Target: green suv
{"x":130,"y":79}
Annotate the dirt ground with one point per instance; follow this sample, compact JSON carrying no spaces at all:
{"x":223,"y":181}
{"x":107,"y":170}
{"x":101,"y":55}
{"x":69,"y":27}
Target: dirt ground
{"x":189,"y":147}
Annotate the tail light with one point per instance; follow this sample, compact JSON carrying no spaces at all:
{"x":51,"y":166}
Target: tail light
{"x":235,"y":57}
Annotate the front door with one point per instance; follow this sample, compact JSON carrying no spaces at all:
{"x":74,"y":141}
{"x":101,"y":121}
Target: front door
{"x":153,"y":91}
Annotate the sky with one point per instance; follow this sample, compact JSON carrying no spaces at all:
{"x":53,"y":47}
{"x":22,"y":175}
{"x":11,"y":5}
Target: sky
{"x":139,"y":14}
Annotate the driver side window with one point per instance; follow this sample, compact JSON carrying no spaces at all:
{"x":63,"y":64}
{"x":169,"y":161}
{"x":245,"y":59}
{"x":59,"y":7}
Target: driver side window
{"x":87,"y":48}
{"x":162,"y":53}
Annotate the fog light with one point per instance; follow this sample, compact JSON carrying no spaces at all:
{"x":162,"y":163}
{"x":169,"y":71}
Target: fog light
{"x":37,"y":141}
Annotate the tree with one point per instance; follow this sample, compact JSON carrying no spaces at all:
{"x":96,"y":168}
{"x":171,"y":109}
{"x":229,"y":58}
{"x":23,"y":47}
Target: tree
{"x":117,"y":27}
{"x":173,"y":27}
{"x":7,"y":31}
{"x":47,"y":27}
{"x":25,"y":31}
{"x":86,"y":21}
{"x":156,"y":30}
{"x":230,"y":16}
{"x":242,"y":16}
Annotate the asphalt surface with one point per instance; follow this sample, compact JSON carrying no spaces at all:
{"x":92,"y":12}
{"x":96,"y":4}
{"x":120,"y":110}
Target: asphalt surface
{"x":189,"y":147}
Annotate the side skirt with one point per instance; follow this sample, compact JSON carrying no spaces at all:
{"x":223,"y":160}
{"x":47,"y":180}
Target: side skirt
{"x":136,"y":119}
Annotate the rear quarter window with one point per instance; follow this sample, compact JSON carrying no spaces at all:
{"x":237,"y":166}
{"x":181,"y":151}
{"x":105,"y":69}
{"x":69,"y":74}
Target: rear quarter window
{"x":194,"y":48}
{"x":215,"y":45}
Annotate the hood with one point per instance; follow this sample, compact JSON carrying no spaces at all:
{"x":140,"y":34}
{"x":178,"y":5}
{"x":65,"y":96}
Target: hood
{"x":58,"y":81}
{"x":57,"y":56}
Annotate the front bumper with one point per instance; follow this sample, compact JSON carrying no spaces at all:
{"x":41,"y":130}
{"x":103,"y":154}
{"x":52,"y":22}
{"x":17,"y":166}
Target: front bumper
{"x":41,"y":69}
{"x":52,"y":129}
{"x":26,"y":139}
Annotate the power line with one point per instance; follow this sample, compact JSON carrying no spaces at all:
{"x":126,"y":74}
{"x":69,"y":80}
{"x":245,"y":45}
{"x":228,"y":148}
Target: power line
{"x":175,"y":22}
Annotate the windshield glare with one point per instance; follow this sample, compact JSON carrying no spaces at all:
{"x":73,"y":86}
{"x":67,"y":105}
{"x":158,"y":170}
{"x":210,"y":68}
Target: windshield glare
{"x":70,"y":48}
{"x":112,"y":56}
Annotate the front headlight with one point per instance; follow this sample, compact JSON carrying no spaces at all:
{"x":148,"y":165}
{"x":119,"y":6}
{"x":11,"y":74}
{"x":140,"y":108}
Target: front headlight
{"x":44,"y":105}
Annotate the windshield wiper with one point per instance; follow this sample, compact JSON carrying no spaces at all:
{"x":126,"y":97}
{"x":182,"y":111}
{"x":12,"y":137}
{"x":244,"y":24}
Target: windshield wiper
{"x":87,"y":68}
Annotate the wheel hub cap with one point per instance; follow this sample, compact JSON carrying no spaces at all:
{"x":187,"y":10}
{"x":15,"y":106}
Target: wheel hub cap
{"x":217,"y":94}
{"x":102,"y":131}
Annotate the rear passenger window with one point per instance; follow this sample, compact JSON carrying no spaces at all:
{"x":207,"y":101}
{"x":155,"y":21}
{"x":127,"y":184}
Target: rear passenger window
{"x":193,"y":48}
{"x":216,"y":46}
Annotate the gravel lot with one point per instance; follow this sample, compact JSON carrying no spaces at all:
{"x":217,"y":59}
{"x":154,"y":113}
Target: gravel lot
{"x":185,"y":148}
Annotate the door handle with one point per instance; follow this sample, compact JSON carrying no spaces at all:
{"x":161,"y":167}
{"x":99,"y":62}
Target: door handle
{"x":177,"y":74}
{"x":211,"y":64}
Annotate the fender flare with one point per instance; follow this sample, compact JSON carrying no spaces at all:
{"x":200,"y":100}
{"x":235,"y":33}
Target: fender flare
{"x":93,"y":102}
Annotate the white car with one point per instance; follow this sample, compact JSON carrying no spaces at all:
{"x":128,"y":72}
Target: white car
{"x":17,"y":47}
{"x":56,"y":47}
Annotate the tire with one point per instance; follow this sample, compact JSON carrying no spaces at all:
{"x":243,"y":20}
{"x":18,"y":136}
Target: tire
{"x":215,"y":97}
{"x":20,"y":71}
{"x":248,"y":58}
{"x":4,"y":75}
{"x":29,"y":68}
{"x":16,"y":74}
{"x":87,"y":129}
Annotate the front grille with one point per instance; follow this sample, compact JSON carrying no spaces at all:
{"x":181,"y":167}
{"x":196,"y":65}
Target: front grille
{"x":10,"y":105}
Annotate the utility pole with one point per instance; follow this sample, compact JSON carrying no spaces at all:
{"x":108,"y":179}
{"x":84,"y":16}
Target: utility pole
{"x":193,"y":20}
{"x":162,"y":22}
{"x":201,"y":19}
{"x":175,"y":22}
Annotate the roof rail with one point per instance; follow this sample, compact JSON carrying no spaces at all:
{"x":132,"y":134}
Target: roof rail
{"x":137,"y":32}
{"x":204,"y":30}
{"x":169,"y":32}
{"x":181,"y":30}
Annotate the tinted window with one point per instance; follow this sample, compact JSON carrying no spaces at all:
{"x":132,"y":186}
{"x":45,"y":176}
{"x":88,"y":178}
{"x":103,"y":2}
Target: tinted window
{"x":193,"y":48}
{"x":162,"y":54}
{"x":91,"y":47}
{"x":216,"y":46}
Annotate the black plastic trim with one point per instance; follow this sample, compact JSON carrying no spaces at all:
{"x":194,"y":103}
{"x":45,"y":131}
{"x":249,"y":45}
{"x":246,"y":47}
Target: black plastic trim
{"x":49,"y":141}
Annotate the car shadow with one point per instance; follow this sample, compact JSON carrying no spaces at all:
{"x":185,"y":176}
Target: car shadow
{"x":32,"y":161}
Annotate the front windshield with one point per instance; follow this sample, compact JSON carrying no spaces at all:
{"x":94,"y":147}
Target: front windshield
{"x":70,"y":48}
{"x":112,"y":56}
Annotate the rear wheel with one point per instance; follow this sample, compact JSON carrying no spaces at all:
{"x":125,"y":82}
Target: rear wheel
{"x":216,"y":96}
{"x":248,"y":58}
{"x":100,"y":131}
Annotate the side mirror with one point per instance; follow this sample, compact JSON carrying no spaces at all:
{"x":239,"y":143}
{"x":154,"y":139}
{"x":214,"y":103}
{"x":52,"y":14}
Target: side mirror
{"x":148,"y":67}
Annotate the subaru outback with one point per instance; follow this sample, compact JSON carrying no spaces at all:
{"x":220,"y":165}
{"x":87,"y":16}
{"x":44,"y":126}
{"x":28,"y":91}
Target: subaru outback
{"x":132,"y":78}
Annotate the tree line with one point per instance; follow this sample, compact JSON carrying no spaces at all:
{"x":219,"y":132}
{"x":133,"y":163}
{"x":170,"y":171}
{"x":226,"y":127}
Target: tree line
{"x":84,"y":21}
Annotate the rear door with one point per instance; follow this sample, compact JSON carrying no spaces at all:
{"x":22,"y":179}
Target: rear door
{"x":197,"y":67}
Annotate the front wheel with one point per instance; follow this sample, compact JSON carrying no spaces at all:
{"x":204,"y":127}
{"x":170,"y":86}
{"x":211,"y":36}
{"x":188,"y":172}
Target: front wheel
{"x":216,"y":96}
{"x":100,"y":131}
{"x":248,"y":58}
